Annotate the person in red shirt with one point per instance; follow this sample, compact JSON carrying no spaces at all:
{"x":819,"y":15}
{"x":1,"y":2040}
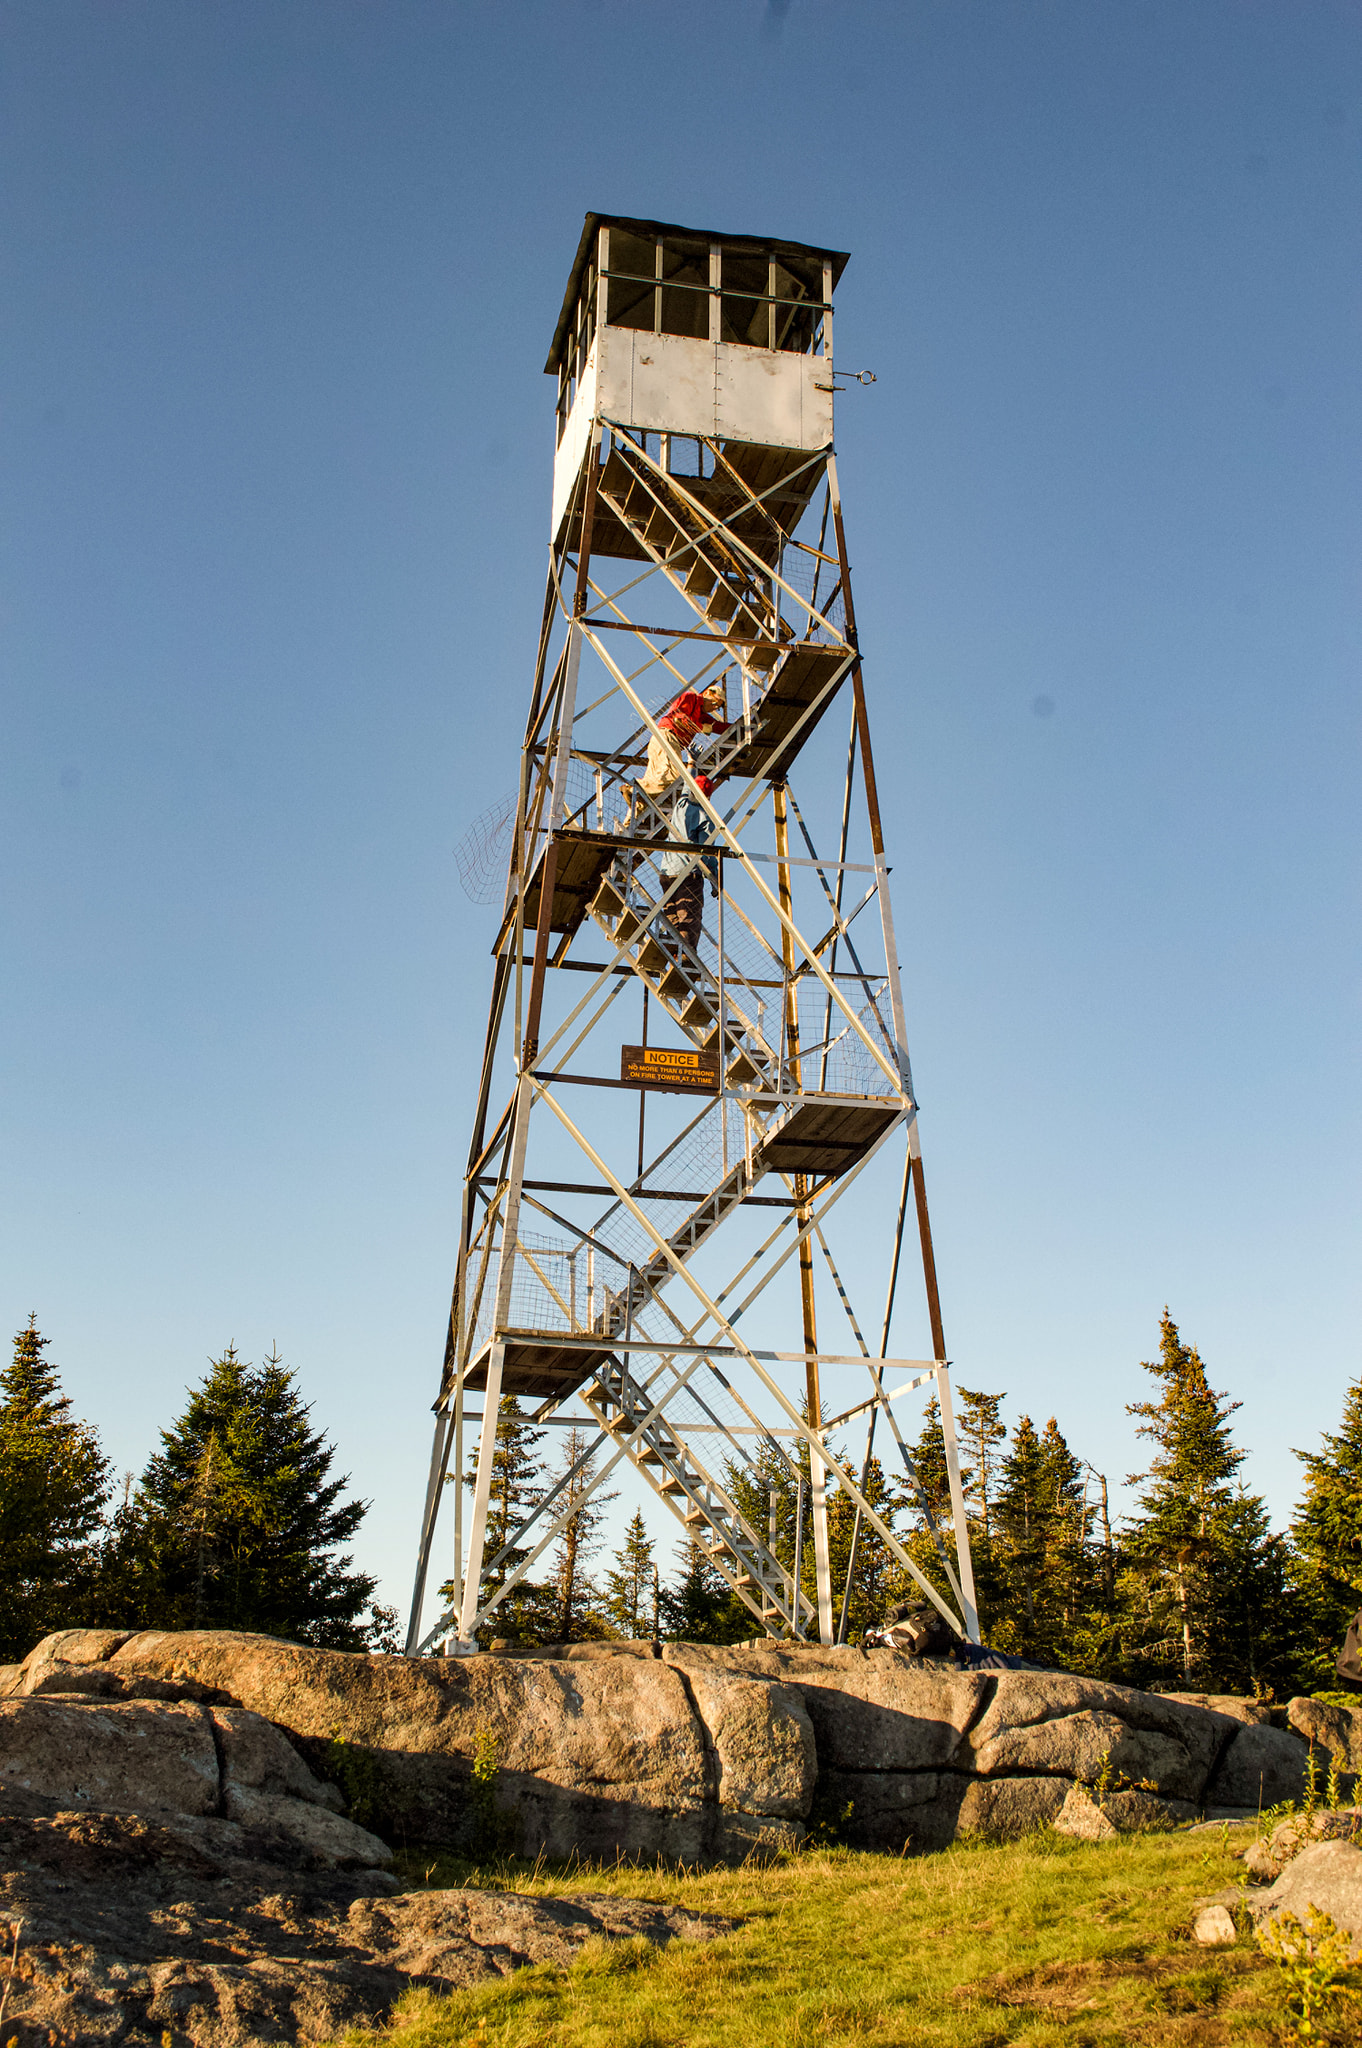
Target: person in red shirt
{"x":684,"y":719}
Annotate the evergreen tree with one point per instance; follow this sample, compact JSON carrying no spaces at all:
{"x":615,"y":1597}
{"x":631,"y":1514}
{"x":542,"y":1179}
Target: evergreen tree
{"x":629,"y":1586}
{"x":1022,"y":1531}
{"x":527,"y":1613}
{"x":1327,"y":1538}
{"x":1203,"y":1584}
{"x":981,"y":1432}
{"x":577,"y":1613}
{"x":1264,"y":1629}
{"x":878,"y":1578}
{"x":1079,"y":1612}
{"x":236,"y":1521}
{"x":700,"y":1607}
{"x":767,"y":1490}
{"x":929,"y":1463}
{"x":928,"y":1544}
{"x":54,"y":1482}
{"x":1047,"y":1569}
{"x":772,"y":1485}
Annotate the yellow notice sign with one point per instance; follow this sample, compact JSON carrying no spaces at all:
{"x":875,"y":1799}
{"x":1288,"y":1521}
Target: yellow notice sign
{"x":679,"y":1068}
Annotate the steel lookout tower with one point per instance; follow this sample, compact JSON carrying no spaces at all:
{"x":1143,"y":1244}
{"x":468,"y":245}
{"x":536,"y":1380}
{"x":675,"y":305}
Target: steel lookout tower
{"x":696,"y":1044}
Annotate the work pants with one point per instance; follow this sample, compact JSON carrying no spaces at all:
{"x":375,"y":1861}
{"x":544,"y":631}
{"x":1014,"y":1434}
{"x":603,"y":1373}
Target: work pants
{"x":664,"y":765}
{"x":684,"y":911}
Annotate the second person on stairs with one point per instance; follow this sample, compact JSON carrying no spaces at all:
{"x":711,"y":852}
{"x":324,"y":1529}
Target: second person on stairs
{"x":686,"y":903}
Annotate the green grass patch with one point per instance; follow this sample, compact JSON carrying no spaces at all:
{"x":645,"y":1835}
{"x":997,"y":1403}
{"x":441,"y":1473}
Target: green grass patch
{"x":1042,"y":1942}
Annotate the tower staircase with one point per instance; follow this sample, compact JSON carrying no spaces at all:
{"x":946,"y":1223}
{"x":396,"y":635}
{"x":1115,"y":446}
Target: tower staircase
{"x":706,"y":1509}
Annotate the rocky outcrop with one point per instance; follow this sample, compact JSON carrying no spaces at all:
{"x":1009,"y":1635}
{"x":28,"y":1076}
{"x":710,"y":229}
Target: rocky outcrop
{"x":761,"y":1758}
{"x":226,"y":1771}
{"x":917,"y":1753}
{"x":1082,"y":1817}
{"x":136,"y":1932}
{"x":181,"y":1871}
{"x":1254,"y":1713}
{"x":599,"y":1756}
{"x":131,"y":1757}
{"x":685,"y":1752}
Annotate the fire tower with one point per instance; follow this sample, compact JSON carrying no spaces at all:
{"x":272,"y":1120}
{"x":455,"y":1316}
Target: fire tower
{"x":671,"y":1109}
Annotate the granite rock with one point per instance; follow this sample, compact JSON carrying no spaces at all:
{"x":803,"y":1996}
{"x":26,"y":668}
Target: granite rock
{"x":598,"y":1756}
{"x":1235,"y":1707}
{"x":869,"y":1709}
{"x":1261,"y":1767}
{"x":1050,"y":1721}
{"x":1334,"y":1731}
{"x":1267,"y":1857}
{"x":1328,"y":1876}
{"x":133,"y":1931}
{"x":762,"y":1739}
{"x":1214,"y":1927}
{"x":129,"y":1756}
{"x":1004,"y":1809}
{"x":317,"y":1838}
{"x":1083,"y":1818}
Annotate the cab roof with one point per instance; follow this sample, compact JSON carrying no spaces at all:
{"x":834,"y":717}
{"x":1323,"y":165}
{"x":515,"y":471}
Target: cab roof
{"x":749,"y":244}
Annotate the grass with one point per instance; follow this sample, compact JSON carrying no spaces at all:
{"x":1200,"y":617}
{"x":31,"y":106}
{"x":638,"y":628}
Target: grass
{"x":1038,"y":1942}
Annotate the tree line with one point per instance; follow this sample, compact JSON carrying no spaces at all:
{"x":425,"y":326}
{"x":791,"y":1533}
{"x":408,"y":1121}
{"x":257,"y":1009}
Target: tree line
{"x":238,"y":1522}
{"x":1191,"y":1590}
{"x":235,"y":1522}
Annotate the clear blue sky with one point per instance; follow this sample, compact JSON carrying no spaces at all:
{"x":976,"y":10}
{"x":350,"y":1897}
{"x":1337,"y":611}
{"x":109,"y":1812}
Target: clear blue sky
{"x":279,"y":283}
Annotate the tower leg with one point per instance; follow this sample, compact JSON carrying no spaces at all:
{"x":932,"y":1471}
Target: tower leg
{"x":962,"y":1556}
{"x":818,"y":1477}
{"x":482,"y":1492}
{"x":496,"y":1359}
{"x":439,"y":1457}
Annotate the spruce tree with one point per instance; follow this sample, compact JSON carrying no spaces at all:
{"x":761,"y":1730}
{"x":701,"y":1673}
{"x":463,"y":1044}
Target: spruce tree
{"x":1204,"y":1583}
{"x":981,"y":1432}
{"x":527,"y":1614}
{"x":1264,"y":1630}
{"x":929,"y":1463}
{"x":1022,"y":1533}
{"x":1327,"y":1540}
{"x":577,"y":1611}
{"x":930,"y":1490}
{"x":1071,"y":1564}
{"x":54,"y":1482}
{"x":236,"y":1521}
{"x":629,"y":1586}
{"x":699,"y":1607}
{"x":772,"y":1479}
{"x":1047,"y":1567}
{"x":878,"y":1578}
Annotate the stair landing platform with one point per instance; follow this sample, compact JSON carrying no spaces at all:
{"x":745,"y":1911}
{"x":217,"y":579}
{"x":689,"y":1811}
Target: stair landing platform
{"x":540,"y":1370}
